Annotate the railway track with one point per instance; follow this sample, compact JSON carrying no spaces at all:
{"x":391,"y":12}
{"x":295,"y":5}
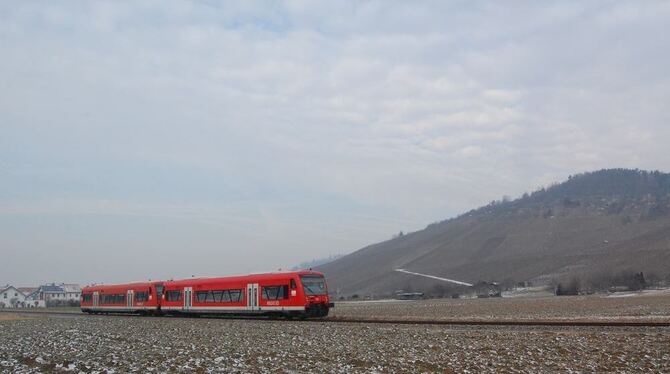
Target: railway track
{"x":537,"y":322}
{"x":441,"y":322}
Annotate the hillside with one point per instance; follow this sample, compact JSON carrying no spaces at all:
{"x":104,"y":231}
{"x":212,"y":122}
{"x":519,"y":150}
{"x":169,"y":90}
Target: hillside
{"x":316,"y":262}
{"x":601,"y":222}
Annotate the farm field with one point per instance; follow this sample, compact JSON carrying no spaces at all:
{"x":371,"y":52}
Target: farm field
{"x":653,"y":306}
{"x":111,"y":344}
{"x":118,"y":344}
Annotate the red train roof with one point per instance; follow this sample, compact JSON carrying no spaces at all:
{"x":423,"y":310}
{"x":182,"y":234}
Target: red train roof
{"x":105,"y":287}
{"x":187,"y":281}
{"x":247,"y":277}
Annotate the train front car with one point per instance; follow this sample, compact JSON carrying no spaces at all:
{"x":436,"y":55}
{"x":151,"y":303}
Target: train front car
{"x":315,"y":291}
{"x":289,"y":294}
{"x":301,"y":294}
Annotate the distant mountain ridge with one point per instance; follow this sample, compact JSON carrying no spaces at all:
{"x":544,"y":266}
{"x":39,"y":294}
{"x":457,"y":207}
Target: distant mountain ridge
{"x":604,"y":221}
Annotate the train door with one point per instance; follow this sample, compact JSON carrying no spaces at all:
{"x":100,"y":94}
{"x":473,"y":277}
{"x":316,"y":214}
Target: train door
{"x":252,"y":296}
{"x":96,"y":299}
{"x":159,"y":295}
{"x":129,"y":299}
{"x":188,"y":298}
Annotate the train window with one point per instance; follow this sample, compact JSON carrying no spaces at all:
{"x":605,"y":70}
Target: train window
{"x":113,"y":299}
{"x":216,"y":296}
{"x":200,"y":296}
{"x":313,"y":284}
{"x":270,"y":293}
{"x":292,"y":284}
{"x":173,"y":295}
{"x":87,"y":297}
{"x":275,"y":292}
{"x":141,"y":296}
{"x":235,"y":295}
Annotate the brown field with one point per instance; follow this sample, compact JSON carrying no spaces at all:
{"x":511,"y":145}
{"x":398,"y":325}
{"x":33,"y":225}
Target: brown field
{"x":10,"y":317}
{"x":99,"y":344}
{"x":654,"y":307}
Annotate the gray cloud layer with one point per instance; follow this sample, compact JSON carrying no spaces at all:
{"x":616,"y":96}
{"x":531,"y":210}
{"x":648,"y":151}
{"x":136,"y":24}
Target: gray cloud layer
{"x":211,"y":138}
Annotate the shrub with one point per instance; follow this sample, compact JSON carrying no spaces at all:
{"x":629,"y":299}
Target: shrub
{"x":570,"y":288}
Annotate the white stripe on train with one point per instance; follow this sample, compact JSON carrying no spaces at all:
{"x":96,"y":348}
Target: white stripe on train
{"x":203,"y":308}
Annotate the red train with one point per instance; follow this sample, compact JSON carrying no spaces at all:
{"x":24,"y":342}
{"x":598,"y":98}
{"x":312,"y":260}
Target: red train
{"x":289,"y":294}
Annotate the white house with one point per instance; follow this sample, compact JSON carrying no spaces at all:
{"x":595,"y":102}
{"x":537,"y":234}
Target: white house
{"x":54,"y":294}
{"x":32,"y":297}
{"x":11,"y":297}
{"x":39,"y":297}
{"x":29,"y":292}
{"x":72,"y":291}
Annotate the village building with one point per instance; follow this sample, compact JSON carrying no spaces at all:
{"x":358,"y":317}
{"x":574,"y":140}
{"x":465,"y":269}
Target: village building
{"x":11,"y":297}
{"x":52,"y":294}
{"x":32,"y":297}
{"x":28,"y":291}
{"x":59,"y":292}
{"x":72,"y":291}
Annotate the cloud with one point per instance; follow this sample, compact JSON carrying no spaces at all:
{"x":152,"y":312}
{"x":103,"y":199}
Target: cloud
{"x":324,"y":127}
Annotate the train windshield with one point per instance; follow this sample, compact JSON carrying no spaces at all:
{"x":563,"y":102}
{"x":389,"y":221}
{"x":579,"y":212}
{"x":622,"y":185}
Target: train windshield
{"x":313,"y":285}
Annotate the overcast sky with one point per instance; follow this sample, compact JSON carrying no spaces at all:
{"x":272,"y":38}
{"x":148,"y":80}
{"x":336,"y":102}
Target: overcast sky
{"x":168,"y":139}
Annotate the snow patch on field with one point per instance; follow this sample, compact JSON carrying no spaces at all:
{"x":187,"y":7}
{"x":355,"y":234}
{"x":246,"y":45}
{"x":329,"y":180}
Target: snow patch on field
{"x":371,"y":301}
{"x":529,"y":292}
{"x":659,"y":292}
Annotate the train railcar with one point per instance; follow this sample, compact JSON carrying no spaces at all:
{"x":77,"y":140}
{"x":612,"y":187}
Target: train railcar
{"x":139,"y":298}
{"x":288,"y":294}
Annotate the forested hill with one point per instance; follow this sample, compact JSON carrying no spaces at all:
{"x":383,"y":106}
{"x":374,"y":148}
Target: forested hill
{"x":591,"y":225}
